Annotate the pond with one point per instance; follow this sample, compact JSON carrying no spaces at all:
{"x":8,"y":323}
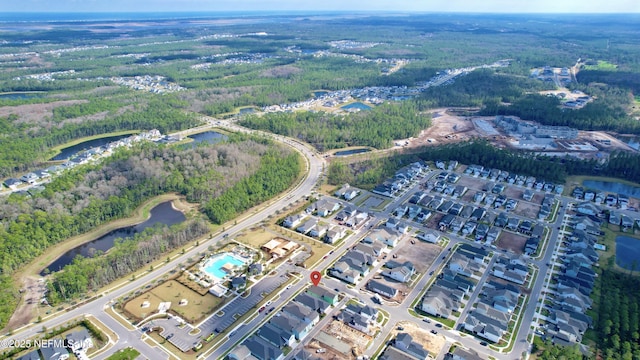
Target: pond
{"x":613,"y":187}
{"x":356,"y":105}
{"x":350,"y":152}
{"x":68,"y":152}
{"x":163,"y":213}
{"x":628,"y":252}
{"x":210,"y":137}
{"x":247,"y":110}
{"x":19,"y":95}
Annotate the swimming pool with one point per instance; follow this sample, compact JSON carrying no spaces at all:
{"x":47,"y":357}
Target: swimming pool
{"x":215,"y":267}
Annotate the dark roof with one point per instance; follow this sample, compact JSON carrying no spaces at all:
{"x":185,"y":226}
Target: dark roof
{"x":261,"y":348}
{"x":377,"y":286}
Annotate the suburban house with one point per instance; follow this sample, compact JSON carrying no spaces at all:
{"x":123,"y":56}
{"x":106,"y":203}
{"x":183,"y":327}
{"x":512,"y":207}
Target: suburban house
{"x":429,"y":236}
{"x":307,"y":226}
{"x":12,"y":183}
{"x":387,"y":236}
{"x":440,"y":303}
{"x":403,"y":345}
{"x":324,"y":207}
{"x":399,"y":272}
{"x":54,"y":353}
{"x":276,"y":336}
{"x":293,"y":221}
{"x":259,"y":349}
{"x":79,"y":340}
{"x":487,"y":322}
{"x":324,"y":294}
{"x":334,"y":234}
{"x":382,"y":289}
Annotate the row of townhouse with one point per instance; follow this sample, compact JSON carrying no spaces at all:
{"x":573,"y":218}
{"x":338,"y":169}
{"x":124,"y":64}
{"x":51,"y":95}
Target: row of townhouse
{"x":567,"y":321}
{"x":601,"y":198}
{"x":401,"y":179}
{"x":292,"y":323}
{"x":446,"y":294}
{"x":513,"y":179}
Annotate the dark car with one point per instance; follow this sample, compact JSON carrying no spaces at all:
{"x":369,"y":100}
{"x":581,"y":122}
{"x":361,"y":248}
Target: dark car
{"x":434,"y":332}
{"x":483,"y":343}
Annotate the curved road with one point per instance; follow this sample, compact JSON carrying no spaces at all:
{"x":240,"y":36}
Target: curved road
{"x":126,"y":337}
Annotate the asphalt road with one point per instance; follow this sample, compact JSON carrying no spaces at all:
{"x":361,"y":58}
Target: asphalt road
{"x":314,"y":168}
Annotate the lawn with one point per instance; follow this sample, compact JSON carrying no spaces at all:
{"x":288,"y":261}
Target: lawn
{"x":603,"y":66}
{"x":255,"y":238}
{"x":172,"y":291}
{"x":124,"y":354}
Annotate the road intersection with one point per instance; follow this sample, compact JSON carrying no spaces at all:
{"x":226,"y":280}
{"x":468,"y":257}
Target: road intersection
{"x":315,"y":166}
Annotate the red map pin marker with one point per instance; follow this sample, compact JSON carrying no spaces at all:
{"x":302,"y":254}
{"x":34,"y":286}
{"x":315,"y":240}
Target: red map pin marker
{"x":316,"y":276}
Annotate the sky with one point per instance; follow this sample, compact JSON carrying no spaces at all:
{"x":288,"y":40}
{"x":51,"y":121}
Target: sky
{"x":488,"y":6}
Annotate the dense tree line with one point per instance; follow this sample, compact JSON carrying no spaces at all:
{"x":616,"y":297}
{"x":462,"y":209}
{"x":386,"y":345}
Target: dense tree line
{"x":560,"y":352}
{"x":369,"y":173}
{"x":366,"y":174}
{"x":377,"y":127}
{"x":277,"y":172}
{"x":617,"y":324}
{"x":8,"y":299}
{"x":90,"y":274}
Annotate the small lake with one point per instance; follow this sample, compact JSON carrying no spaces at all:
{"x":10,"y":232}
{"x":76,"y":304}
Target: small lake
{"x":613,"y":187}
{"x":350,"y":152}
{"x":356,"y":105}
{"x":19,"y":95}
{"x":72,"y":150}
{"x":627,"y":251}
{"x":320,"y":93}
{"x":162,"y":213}
{"x":210,"y":137}
{"x":247,"y":110}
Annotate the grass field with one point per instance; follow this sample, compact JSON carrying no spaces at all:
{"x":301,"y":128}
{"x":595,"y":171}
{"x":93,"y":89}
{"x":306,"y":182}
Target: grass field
{"x":124,"y":354}
{"x":602,"y":65}
{"x":172,"y":291}
{"x":255,"y":238}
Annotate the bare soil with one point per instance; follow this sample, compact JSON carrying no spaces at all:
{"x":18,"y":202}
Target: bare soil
{"x":32,"y":292}
{"x":511,"y":241}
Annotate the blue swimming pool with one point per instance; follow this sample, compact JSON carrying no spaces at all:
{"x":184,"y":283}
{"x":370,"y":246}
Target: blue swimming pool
{"x":214,"y":267}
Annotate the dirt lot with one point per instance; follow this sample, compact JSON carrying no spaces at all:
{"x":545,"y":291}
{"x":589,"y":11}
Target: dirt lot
{"x":33,"y":289}
{"x":341,"y":331}
{"x":527,"y":209}
{"x":445,"y":128}
{"x":433,"y":343}
{"x":511,"y":241}
{"x":421,"y":254}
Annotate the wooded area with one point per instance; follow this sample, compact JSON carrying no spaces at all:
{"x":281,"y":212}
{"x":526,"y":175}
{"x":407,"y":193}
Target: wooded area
{"x":377,"y":127}
{"x":617,"y":324}
{"x":86,"y":197}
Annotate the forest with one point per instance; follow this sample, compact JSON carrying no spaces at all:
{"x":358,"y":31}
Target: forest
{"x":617,"y":332}
{"x":376,"y":128}
{"x":86,"y":197}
